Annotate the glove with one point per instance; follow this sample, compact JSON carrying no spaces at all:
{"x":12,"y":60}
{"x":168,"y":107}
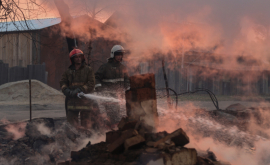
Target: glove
{"x":67,"y":92}
{"x":80,"y":95}
{"x":75,"y":92}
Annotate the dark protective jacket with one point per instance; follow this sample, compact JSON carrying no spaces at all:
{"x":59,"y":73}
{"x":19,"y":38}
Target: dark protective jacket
{"x":112,"y":76}
{"x":82,"y":78}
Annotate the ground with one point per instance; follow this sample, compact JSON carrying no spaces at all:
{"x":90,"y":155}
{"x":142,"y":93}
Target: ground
{"x":205,"y":131}
{"x":13,"y":111}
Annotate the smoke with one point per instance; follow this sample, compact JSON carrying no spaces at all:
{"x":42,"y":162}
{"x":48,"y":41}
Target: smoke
{"x":17,"y":130}
{"x":228,"y":142}
{"x":235,"y":156}
{"x":95,"y":138}
{"x":234,"y":33}
{"x":230,"y":31}
{"x":4,"y":121}
{"x":43,"y":129}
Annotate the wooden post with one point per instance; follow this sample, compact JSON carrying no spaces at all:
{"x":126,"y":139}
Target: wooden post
{"x":166,"y":84}
{"x":30,"y":104}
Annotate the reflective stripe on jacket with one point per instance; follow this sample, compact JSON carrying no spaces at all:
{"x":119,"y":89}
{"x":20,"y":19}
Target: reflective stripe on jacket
{"x":113,"y":80}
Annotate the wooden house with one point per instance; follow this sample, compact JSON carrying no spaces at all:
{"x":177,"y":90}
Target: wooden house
{"x":41,"y":41}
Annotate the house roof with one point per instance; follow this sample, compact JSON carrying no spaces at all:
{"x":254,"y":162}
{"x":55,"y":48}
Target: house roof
{"x":239,"y":67}
{"x":27,"y":25}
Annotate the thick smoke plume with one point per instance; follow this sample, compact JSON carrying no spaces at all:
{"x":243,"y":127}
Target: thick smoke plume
{"x":236,"y":33}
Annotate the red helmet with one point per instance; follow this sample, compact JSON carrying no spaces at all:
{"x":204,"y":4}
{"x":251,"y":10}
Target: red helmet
{"x":74,"y":53}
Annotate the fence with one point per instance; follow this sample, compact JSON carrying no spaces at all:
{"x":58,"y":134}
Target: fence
{"x":18,"y":73}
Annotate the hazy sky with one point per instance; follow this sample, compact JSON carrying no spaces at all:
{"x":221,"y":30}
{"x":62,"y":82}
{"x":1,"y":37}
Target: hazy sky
{"x":229,"y":21}
{"x":228,"y":14}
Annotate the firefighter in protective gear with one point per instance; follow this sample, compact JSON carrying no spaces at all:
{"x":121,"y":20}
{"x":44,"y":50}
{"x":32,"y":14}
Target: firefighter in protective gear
{"x":112,"y":80}
{"x":79,"y":79}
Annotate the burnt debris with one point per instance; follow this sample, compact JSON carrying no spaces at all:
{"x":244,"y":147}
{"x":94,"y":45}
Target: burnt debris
{"x":128,"y":147}
{"x":42,"y":141}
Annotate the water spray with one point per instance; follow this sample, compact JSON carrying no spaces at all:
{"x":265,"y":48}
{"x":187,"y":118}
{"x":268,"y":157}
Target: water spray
{"x":96,"y":97}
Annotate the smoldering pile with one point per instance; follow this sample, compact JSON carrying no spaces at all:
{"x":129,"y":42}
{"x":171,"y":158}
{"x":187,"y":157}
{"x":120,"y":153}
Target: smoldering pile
{"x":42,"y":141}
{"x":131,"y":144}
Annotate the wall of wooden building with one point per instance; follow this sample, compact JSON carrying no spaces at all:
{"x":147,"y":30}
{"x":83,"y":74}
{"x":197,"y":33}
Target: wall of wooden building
{"x":54,"y":53}
{"x":19,"y":49}
{"x":49,"y":46}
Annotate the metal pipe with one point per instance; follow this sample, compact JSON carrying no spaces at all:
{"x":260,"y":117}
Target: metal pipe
{"x":30,"y":104}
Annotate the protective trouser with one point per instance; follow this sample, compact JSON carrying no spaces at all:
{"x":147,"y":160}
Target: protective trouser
{"x":89,"y":115}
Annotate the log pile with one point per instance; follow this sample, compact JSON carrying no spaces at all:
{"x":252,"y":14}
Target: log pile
{"x":130,"y":146}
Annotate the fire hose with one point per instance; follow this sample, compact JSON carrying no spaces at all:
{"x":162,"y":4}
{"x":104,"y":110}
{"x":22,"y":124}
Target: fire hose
{"x":210,"y":93}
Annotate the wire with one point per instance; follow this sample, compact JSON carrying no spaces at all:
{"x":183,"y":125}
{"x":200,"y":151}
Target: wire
{"x":210,"y":93}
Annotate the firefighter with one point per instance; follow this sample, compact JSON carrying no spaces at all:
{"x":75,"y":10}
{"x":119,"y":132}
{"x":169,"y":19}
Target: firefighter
{"x":77,"y":80}
{"x":112,"y":80}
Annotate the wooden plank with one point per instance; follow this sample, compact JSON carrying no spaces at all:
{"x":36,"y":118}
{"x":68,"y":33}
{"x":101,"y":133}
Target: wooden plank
{"x":38,"y":48}
{"x":28,"y":42}
{"x":26,"y":49}
{"x":15,"y":50}
{"x":1,"y":48}
{"x":34,"y":49}
{"x":30,"y":48}
{"x":20,"y":59}
{"x":23,"y":50}
{"x":120,"y":141}
{"x":4,"y":47}
{"x":10,"y":49}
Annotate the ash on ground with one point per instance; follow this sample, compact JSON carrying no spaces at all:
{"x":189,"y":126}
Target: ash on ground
{"x":50,"y":141}
{"x":42,"y":141}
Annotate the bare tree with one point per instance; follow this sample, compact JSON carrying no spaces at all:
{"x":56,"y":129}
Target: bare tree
{"x":16,"y":10}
